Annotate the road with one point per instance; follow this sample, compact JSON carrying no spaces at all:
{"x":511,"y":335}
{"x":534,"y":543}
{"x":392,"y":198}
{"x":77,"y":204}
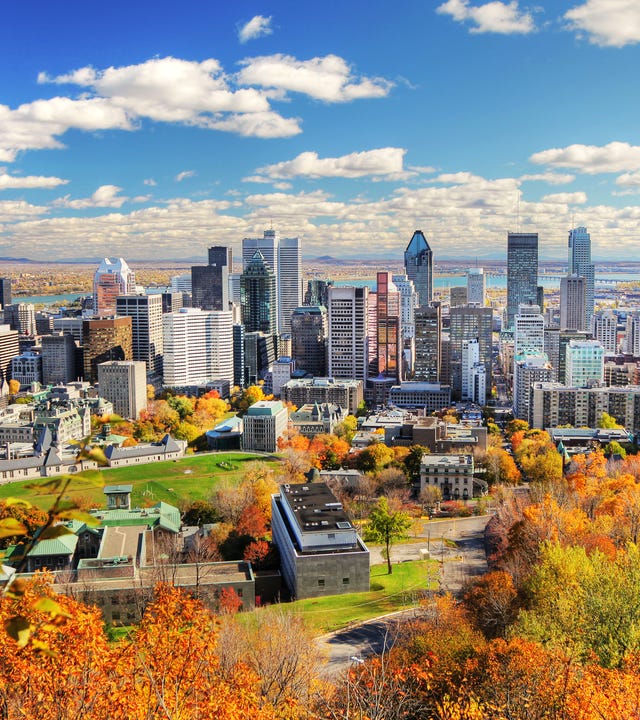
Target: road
{"x":459,"y":563}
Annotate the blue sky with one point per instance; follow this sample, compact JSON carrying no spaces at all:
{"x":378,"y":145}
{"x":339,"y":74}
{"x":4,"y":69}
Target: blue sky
{"x":155,"y":129}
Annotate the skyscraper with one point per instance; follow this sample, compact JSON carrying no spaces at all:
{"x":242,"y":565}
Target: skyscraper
{"x":428,"y":344}
{"x":145,"y":312}
{"x":522,"y":272}
{"x":309,"y":339}
{"x":5,"y":292}
{"x":258,"y":296}
{"x":389,"y":335}
{"x":348,"y":348}
{"x":124,"y":383}
{"x":467,"y":323}
{"x":528,"y":335}
{"x":210,"y":283}
{"x":112,"y":278}
{"x":105,"y":339}
{"x":418,"y":265}
{"x":476,"y":286}
{"x":605,"y":329}
{"x":573,"y":303}
{"x":580,"y":264}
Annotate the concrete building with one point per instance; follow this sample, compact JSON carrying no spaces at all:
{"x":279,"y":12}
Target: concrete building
{"x":316,"y":418}
{"x":105,"y":339}
{"x":428,"y":338}
{"x":522,"y":272}
{"x":281,"y":372}
{"x":528,"y":335}
{"x":264,"y":423}
{"x":147,"y":343}
{"x":476,"y":286}
{"x":69,"y":326}
{"x":343,"y":392}
{"x":112,"y":278}
{"x":458,"y":295}
{"x":573,"y":303}
{"x":528,"y":369}
{"x":198,"y":347}
{"x":9,"y":348}
{"x":309,"y":329}
{"x":419,"y":395}
{"x":210,"y":283}
{"x":59,"y":354}
{"x":348,"y":353}
{"x":605,"y":330}
{"x":21,"y":317}
{"x":470,"y":323}
{"x":320,"y":550}
{"x":124,"y":384}
{"x":470,"y":359}
{"x":632,"y":334}
{"x":27,"y":369}
{"x":585,"y":363}
{"x":452,"y":474}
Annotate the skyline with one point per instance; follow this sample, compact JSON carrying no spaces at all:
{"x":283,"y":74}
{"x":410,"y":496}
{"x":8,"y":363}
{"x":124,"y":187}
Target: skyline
{"x":149,"y":132}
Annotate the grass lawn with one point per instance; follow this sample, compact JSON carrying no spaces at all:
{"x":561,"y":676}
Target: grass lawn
{"x":194,"y":477}
{"x":402,"y":589}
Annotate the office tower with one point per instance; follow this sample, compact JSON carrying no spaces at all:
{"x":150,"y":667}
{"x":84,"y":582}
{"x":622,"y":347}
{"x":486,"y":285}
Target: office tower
{"x":573,"y":297}
{"x":9,"y":348}
{"x":585,"y":363}
{"x":260,"y":352}
{"x":21,"y":317}
{"x":418,"y":266}
{"x":372,"y":332}
{"x":58,"y":359}
{"x":309,"y":327}
{"x":281,"y":371}
{"x":69,"y":326}
{"x":389,"y":334}
{"x":145,"y":312}
{"x":605,"y":329}
{"x":181,"y":284}
{"x":522,"y":272}
{"x":264,"y":423}
{"x":44,"y":323}
{"x":528,"y":335}
{"x":428,"y":335}
{"x":467,"y":323}
{"x":529,"y":368}
{"x":27,"y":369}
{"x":632,"y":334}
{"x":5,"y":292}
{"x":124,"y":384}
{"x":457,"y":295}
{"x":408,"y":305}
{"x":171,"y":301}
{"x":580,"y":264}
{"x":105,"y":339}
{"x":112,"y":278}
{"x":317,"y":292}
{"x":564,"y":338}
{"x":470,"y":358}
{"x":210,"y":283}
{"x":445,"y":359}
{"x":348,"y":324}
{"x":238,"y":355}
{"x":234,"y":288}
{"x":258,"y":296}
{"x":476,"y":287}
{"x":198,"y":347}
{"x":283,"y":257}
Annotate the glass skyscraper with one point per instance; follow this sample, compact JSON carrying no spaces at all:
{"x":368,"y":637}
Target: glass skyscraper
{"x":418,"y":265}
{"x":580,"y":264}
{"x":522,"y":272}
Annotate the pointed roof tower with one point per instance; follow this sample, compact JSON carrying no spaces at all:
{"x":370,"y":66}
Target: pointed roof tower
{"x":418,"y":264}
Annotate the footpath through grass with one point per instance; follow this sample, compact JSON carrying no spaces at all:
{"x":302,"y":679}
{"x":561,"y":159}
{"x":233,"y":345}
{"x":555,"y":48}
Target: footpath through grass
{"x":400,"y":590}
{"x":193,"y":477}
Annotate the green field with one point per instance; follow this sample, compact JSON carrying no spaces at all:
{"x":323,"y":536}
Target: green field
{"x":402,"y":589}
{"x":194,"y":477}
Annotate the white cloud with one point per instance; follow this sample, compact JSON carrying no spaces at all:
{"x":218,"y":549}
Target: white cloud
{"x":629,"y":179}
{"x":592,"y":159}
{"x":184,"y":175}
{"x":329,"y":78}
{"x":150,"y":182}
{"x":613,"y":23}
{"x":262,"y":125}
{"x":491,"y":17}
{"x":28,"y":181}
{"x":549,"y":177}
{"x":104,"y":196}
{"x":258,"y":26}
{"x":575,"y":198}
{"x":381,"y":162}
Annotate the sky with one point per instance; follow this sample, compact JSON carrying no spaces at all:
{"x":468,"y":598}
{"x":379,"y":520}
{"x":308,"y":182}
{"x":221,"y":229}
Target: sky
{"x":152,"y":130}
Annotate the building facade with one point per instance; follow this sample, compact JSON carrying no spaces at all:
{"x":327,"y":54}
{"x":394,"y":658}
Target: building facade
{"x":124,"y":384}
{"x":147,"y":343}
{"x":522,"y":272}
{"x":418,"y":266}
{"x":105,"y":339}
{"x":348,"y":352}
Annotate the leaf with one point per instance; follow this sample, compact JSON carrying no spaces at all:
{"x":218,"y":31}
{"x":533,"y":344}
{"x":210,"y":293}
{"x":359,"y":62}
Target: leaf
{"x":98,"y":455}
{"x":80,"y":515}
{"x":19,"y":628}
{"x":9,"y":527}
{"x":54,"y":531}
{"x":16,"y":501}
{"x":48,"y":605}
{"x":17,"y":589}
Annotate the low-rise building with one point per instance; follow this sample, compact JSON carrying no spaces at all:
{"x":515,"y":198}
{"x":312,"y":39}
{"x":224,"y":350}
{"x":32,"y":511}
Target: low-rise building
{"x":428,"y":396}
{"x":346,"y":393}
{"x":264,"y":423}
{"x":453,"y":474}
{"x":316,"y":419}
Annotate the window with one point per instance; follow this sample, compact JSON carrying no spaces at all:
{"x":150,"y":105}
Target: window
{"x":345,"y":581}
{"x":320,"y":582}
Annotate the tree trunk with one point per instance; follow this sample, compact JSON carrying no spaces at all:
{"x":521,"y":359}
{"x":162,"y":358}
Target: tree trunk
{"x":389,"y":566}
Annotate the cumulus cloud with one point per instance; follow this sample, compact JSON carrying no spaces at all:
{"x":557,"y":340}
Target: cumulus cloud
{"x":380,"y":162}
{"x":28,"y":181}
{"x":592,"y":159}
{"x":184,"y":175}
{"x":491,"y":17}
{"x":629,"y":179}
{"x":575,"y":198}
{"x":329,"y":78}
{"x":613,"y":23}
{"x":258,"y":26}
{"x":549,"y":177}
{"x":104,"y":196}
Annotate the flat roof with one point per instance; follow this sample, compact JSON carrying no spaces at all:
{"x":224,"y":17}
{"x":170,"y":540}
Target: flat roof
{"x":315,"y":508}
{"x":446,"y":460}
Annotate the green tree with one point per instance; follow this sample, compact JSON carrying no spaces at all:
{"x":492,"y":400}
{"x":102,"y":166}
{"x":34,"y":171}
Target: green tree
{"x":614,"y":448}
{"x":608,"y":422}
{"x":347,"y":428}
{"x":386,"y":526}
{"x":413,"y":460}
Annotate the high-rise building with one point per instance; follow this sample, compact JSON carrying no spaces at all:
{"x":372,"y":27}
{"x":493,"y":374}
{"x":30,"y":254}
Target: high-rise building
{"x":585,"y":363}
{"x":124,"y":384}
{"x":408,"y":305}
{"x":529,"y":368}
{"x":112,"y":278}
{"x":389,"y":335}
{"x":573,"y":299}
{"x":27,"y":368}
{"x":309,"y":327}
{"x":317,"y":292}
{"x":457,"y":295}
{"x":470,"y":359}
{"x":348,"y":355}
{"x":21,"y":317}
{"x":476,"y":287}
{"x":210,"y":283}
{"x":258,"y":296}
{"x":580,"y":264}
{"x":58,"y":359}
{"x":632,"y":334}
{"x":522,"y":272}
{"x":198,"y":347}
{"x":418,"y":265}
{"x":260,"y":352}
{"x":605,"y":330}
{"x":528,"y":335}
{"x":5,"y":292}
{"x":283,"y":257}
{"x":467,"y":323}
{"x":238,"y":355}
{"x":145,"y":312}
{"x":428,"y":344}
{"x":105,"y":339}
{"x":9,"y":348}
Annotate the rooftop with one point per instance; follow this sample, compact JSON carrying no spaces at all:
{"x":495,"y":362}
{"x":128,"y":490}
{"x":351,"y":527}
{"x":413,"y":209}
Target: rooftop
{"x":433,"y":459}
{"x":315,"y":508}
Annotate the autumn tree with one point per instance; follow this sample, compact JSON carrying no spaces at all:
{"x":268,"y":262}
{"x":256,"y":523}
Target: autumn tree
{"x":492,"y":602}
{"x":413,"y":460}
{"x":23,"y":514}
{"x":386,"y":527}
